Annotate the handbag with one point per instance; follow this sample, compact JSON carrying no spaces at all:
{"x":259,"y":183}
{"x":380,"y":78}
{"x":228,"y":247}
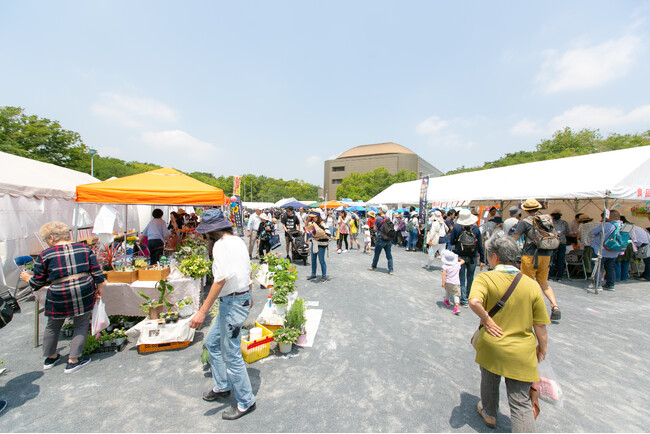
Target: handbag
{"x":497,"y":307}
{"x":8,"y":306}
{"x":275,"y":241}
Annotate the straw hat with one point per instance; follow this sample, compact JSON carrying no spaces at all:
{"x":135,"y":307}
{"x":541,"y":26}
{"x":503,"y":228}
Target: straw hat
{"x":466,"y":218}
{"x":531,"y":205}
{"x":585,"y":219}
{"x":371,"y":213}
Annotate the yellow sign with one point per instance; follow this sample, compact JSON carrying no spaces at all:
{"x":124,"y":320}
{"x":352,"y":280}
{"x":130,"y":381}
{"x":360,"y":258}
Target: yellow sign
{"x":236,"y":185}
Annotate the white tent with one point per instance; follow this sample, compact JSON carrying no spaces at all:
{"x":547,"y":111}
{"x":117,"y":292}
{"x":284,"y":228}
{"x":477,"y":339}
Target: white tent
{"x":622,"y":175}
{"x":281,"y":202}
{"x":33,"y":193}
{"x":256,"y":205}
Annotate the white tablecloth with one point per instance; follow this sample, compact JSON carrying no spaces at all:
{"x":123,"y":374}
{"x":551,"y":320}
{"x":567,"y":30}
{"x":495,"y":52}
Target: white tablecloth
{"x":123,"y":298}
{"x":153,"y":333}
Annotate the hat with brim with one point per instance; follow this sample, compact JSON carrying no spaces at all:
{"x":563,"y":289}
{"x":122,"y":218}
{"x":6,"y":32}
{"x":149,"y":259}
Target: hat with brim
{"x":585,"y":219}
{"x":466,"y":218}
{"x":448,"y":257}
{"x":314,"y":213}
{"x":264,"y":216}
{"x":371,"y":213}
{"x":213,"y":220}
{"x":181,"y":211}
{"x":514,"y":210}
{"x":530,"y":205}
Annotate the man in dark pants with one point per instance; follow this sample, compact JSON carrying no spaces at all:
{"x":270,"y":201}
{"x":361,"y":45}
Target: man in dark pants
{"x":466,"y":223}
{"x":381,"y":243}
{"x":557,"y":258}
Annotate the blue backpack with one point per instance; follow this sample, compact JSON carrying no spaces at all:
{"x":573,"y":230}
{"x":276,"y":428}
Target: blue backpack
{"x":619,"y":239}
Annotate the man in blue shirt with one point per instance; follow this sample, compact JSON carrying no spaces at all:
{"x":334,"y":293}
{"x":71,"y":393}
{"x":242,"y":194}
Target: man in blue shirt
{"x":609,"y":257}
{"x":460,"y":241}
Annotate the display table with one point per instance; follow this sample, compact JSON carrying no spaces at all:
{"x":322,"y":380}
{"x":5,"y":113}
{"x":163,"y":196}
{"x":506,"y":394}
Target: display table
{"x":123,"y":298}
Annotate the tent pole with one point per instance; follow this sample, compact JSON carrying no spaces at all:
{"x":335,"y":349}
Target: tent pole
{"x":75,"y":226}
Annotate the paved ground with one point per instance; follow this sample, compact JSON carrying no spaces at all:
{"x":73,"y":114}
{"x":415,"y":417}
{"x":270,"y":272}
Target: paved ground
{"x":388,"y":357}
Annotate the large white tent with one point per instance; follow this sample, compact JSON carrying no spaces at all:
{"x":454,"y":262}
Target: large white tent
{"x":620,"y":175}
{"x":33,"y":193}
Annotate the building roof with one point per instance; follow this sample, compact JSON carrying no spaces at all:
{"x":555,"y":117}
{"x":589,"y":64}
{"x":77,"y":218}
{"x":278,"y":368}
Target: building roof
{"x":376,"y":149}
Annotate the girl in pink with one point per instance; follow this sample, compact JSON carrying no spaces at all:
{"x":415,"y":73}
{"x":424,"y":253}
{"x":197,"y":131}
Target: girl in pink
{"x":451,"y":278}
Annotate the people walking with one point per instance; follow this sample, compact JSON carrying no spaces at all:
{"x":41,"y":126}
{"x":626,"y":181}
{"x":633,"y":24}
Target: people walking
{"x":265,"y":232}
{"x":290,"y":223}
{"x":232,"y":285}
{"x":354,"y":231}
{"x":558,"y":264}
{"x":465,"y":241}
{"x":156,"y":232}
{"x":435,"y":239}
{"x":382,"y":241}
{"x":451,"y":264}
{"x":253,"y":226}
{"x":413,"y":229}
{"x":344,"y":231}
{"x":319,"y":239}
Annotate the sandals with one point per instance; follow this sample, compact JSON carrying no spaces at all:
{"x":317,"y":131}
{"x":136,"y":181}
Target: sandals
{"x":490,"y":422}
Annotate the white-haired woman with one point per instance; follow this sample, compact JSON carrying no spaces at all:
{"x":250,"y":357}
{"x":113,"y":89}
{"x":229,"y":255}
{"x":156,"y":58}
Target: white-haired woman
{"x":506,"y":344}
{"x":75,"y":281}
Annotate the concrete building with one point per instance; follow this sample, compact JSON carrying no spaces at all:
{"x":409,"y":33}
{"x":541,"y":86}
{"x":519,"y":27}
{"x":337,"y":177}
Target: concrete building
{"x":366,"y":158}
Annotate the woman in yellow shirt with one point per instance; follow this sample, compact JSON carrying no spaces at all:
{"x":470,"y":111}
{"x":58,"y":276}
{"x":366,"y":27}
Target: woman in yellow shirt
{"x":506,"y":345}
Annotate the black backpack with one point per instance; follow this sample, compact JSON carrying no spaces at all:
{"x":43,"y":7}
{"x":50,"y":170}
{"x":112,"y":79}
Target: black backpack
{"x":8,"y":306}
{"x":467,"y":243}
{"x":387,"y":230}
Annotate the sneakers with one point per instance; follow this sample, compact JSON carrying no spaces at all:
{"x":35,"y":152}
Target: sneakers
{"x":490,"y":421}
{"x":323,"y":279}
{"x":345,"y":251}
{"x":71,"y":367}
{"x":50,"y":363}
{"x":456,"y":311}
{"x":338,"y":250}
{"x":3,"y":405}
{"x":390,"y":273}
{"x":446,"y":302}
{"x":311,"y":277}
{"x":556,"y":315}
{"x":608,"y":288}
{"x":234,"y":413}
{"x":211,"y":395}
{"x":372,"y":269}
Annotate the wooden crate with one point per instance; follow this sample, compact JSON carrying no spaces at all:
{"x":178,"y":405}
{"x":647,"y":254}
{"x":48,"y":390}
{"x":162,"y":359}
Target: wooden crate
{"x":153,"y":275}
{"x":122,"y":276}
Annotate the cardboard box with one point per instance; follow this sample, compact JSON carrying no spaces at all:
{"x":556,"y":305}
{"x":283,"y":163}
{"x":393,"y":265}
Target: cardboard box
{"x":153,"y":275}
{"x":122,"y":276}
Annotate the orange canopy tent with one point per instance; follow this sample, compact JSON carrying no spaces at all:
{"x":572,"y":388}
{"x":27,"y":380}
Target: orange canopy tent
{"x":164,"y":186}
{"x":332,"y":204}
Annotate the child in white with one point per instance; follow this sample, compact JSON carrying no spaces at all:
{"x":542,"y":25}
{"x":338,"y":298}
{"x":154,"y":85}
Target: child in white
{"x":451,"y":278}
{"x":435,"y":237}
{"x":366,"y":239}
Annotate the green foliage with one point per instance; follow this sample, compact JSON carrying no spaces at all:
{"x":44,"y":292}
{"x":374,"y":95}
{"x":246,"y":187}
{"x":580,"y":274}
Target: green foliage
{"x":286,"y":335}
{"x":566,"y":143}
{"x":195,"y":266}
{"x":367,"y":185}
{"x":165,"y":289}
{"x":190,"y":247}
{"x":92,"y":344}
{"x":296,"y":315}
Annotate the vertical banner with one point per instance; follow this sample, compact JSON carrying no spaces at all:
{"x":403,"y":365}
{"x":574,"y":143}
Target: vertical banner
{"x":422,"y":215}
{"x":237,"y":215}
{"x":236,"y":185}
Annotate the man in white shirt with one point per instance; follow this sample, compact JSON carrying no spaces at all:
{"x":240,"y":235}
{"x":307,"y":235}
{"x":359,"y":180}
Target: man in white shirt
{"x":511,"y":223}
{"x":253,"y":225}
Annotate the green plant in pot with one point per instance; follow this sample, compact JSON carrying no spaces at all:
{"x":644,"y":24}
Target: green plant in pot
{"x":152,"y":307}
{"x":120,"y":336}
{"x":286,"y":337}
{"x":195,"y":266}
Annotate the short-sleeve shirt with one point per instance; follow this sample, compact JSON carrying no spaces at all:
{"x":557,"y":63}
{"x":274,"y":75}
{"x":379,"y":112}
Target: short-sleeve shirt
{"x":452,"y":273}
{"x":291,"y":223}
{"x":156,"y":230}
{"x":513,"y":354}
{"x":523,"y":227}
{"x":231,"y":262}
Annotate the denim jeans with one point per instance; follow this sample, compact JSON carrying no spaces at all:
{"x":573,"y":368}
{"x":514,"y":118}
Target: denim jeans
{"x":413,"y":239}
{"x":223,"y":343}
{"x":609,"y":264}
{"x":466,"y":278}
{"x":321,"y":258}
{"x":382,"y":244}
{"x":558,"y":263}
{"x":646,"y":270}
{"x":622,"y":270}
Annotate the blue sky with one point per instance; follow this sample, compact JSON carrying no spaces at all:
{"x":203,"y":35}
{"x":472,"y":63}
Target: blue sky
{"x":277,"y":87}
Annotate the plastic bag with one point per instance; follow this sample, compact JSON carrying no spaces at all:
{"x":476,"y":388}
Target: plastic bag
{"x":548,"y":387}
{"x":99,"y":319}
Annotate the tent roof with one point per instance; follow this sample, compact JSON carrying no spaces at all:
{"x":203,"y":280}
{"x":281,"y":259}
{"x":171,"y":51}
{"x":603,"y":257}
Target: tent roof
{"x":623,"y":173}
{"x":21,"y":176}
{"x":164,"y":186}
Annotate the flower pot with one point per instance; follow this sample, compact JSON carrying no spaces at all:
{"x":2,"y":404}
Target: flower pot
{"x":302,"y":339}
{"x":110,"y":328}
{"x":128,"y":324}
{"x":186,"y":311}
{"x":284,"y":348}
{"x":154,"y":312}
{"x":119,"y":341}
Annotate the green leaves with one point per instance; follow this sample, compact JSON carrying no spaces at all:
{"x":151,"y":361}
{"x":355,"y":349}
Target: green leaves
{"x":195,"y":266}
{"x":365,"y":186}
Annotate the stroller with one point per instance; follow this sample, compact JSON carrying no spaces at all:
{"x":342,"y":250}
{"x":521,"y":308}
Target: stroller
{"x":299,"y":246}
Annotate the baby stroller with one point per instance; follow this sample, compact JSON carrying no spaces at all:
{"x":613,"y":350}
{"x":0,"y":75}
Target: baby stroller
{"x":299,"y":246}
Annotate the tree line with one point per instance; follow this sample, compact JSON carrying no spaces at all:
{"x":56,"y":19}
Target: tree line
{"x":45,"y":140}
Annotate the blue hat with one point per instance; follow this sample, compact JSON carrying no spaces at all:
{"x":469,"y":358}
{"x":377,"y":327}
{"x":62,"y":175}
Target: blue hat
{"x":212,"y":220}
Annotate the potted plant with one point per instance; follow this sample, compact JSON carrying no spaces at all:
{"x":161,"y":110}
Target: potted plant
{"x":106,"y":338}
{"x":92,"y":344}
{"x":107,"y":255}
{"x":296,"y":319}
{"x":120,"y":336}
{"x":68,"y":329}
{"x":286,"y":337}
{"x":152,"y":307}
{"x":195,"y":266}
{"x":185,"y":306}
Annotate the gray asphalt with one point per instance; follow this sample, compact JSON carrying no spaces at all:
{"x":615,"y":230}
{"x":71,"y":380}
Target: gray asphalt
{"x":388,"y":357}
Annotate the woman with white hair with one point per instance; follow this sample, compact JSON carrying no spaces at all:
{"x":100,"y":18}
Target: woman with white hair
{"x":75,"y":281}
{"x":436,"y":241}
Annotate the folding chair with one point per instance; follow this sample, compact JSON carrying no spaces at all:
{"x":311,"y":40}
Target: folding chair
{"x":21,"y":262}
{"x":573,"y":261}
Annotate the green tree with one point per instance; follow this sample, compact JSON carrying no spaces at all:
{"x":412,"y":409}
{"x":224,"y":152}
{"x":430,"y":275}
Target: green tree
{"x":367,"y":185}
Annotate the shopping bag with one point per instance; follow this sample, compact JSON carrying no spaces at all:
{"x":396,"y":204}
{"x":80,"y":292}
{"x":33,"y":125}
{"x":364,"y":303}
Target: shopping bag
{"x":548,"y":387}
{"x":99,"y":319}
{"x":275,"y":241}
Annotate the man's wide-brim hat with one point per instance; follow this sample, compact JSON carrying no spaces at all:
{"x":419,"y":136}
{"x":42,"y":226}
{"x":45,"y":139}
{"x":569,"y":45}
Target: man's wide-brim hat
{"x":530,"y":205}
{"x":585,"y":219}
{"x":466,"y":218}
{"x":213,"y":220}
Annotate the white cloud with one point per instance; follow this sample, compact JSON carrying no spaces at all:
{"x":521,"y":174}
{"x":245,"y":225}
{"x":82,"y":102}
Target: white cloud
{"x":432,"y":125}
{"x":313,"y":160}
{"x":583,"y":68}
{"x":179,"y":142}
{"x":586,"y":116}
{"x":131,"y":111}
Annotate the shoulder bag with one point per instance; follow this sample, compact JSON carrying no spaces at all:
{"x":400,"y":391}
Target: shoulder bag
{"x":497,"y":307}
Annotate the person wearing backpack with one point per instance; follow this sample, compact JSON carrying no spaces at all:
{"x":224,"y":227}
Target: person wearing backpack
{"x":615,"y":243}
{"x":413,"y":229}
{"x":383,"y":240}
{"x":465,"y":241}
{"x":435,"y":238}
{"x":536,"y":254}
